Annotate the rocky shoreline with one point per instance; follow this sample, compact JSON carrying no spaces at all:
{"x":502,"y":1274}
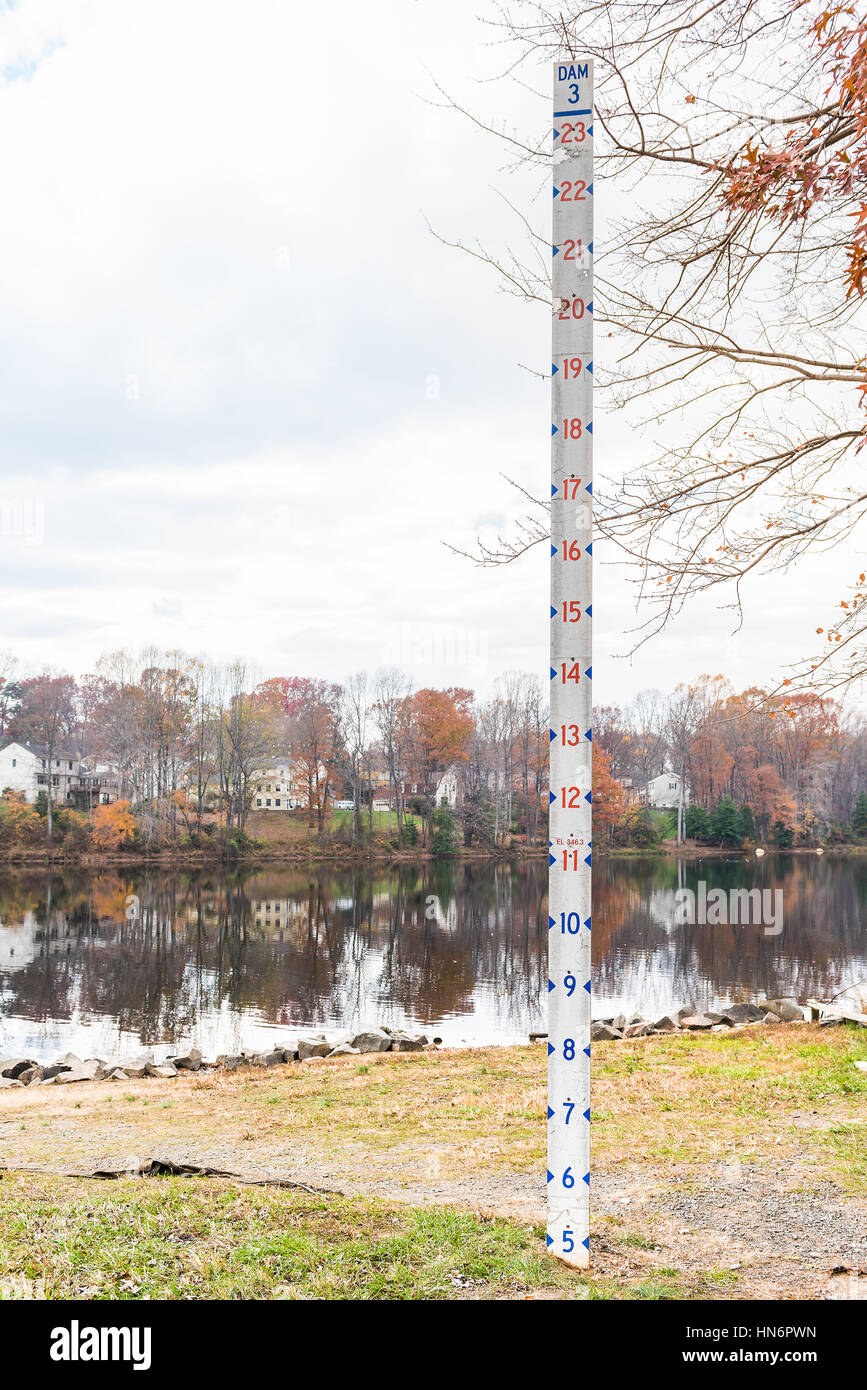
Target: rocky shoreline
{"x":693,"y":1020}
{"x":16,"y":1072}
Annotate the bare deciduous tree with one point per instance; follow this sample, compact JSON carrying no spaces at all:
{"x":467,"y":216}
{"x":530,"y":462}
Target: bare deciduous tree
{"x":730,"y":288}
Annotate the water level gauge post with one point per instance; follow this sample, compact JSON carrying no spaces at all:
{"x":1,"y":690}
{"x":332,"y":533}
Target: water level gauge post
{"x":571,"y":615}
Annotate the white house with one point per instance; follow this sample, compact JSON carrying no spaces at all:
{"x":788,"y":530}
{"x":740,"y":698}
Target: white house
{"x":277,"y":788}
{"x":663,"y":792}
{"x":448,"y":787}
{"x":24,"y":768}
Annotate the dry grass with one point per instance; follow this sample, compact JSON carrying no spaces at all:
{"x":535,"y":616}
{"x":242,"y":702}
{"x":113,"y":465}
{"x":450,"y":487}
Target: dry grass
{"x":684,"y":1099}
{"x":432,"y":1163}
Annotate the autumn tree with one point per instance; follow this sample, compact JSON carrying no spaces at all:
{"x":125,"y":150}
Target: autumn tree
{"x":315,"y":740}
{"x":769,"y":798}
{"x":392,"y":717}
{"x":440,"y":732}
{"x":47,"y":718}
{"x":609,"y":803}
{"x":115,"y":709}
{"x":249,"y":739}
{"x":10,"y":692}
{"x":355,"y":717}
{"x":114,"y":826}
{"x":20,"y":823}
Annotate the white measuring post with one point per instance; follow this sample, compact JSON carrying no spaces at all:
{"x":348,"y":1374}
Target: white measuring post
{"x":568,"y":1173}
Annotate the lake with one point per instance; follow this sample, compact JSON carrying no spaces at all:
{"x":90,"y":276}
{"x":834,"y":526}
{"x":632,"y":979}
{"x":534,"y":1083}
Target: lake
{"x":102,"y":963}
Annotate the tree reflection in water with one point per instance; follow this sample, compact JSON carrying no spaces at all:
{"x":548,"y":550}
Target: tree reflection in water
{"x":220,"y":958}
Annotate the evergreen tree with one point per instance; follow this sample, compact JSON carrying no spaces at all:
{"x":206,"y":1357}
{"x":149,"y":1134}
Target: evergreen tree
{"x":859,"y":817}
{"x":409,"y":834}
{"x":782,"y":836}
{"x":748,"y":823}
{"x":479,"y":819}
{"x":725,"y":823}
{"x":697,"y":823}
{"x":445,"y":829}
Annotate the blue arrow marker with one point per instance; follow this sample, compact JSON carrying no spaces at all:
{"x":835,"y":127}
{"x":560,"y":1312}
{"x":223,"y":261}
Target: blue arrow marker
{"x":549,"y":1240}
{"x":552,"y":736}
{"x":555,"y":250}
{"x":549,"y":1176}
{"x":589,"y":735}
{"x":553,"y":798}
{"x":551,"y":922}
{"x":590,"y":247}
{"x":551,"y":860}
{"x":587,"y":861}
{"x":587,"y":1116}
{"x":554,"y":429}
{"x":553,"y":677}
{"x":589,"y":673}
{"x":587,"y":921}
{"x":556,"y":190}
{"x":589,"y":129}
{"x":551,"y":986}
{"x":550,"y":1048}
{"x":590,"y":610}
{"x":553,"y":550}
{"x":586,"y":1241}
{"x":587,"y":986}
{"x":550,"y":1113}
{"x":553,"y":611}
{"x":553,"y":490}
{"x":590,"y":307}
{"x":588,"y":488}
{"x":587,"y":1179}
{"x":590,"y":189}
{"x":589,"y":548}
{"x":557,"y":133}
{"x":588,"y":797}
{"x":587,"y":1052}
{"x":590,"y":427}
{"x":554,"y":369}
{"x":590,"y":368}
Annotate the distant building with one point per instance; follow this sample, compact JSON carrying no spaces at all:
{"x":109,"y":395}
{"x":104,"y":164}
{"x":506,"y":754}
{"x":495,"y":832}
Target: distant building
{"x":279,"y":788}
{"x":448,"y":788}
{"x":24,"y":767}
{"x":663,"y":792}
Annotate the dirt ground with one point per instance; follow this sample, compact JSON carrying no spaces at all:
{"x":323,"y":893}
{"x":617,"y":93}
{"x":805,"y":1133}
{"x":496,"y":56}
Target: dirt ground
{"x":739,"y":1158}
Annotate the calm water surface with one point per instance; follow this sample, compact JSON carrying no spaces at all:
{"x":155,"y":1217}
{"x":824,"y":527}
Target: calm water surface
{"x":103,"y":962}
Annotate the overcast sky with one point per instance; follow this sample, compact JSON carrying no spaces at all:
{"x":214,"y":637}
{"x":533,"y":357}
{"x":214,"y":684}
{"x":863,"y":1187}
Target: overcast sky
{"x":244,"y":394}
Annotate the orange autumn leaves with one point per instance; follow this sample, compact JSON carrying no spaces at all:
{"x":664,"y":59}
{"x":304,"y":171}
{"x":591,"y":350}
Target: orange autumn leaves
{"x":114,"y":826}
{"x":822,"y":158}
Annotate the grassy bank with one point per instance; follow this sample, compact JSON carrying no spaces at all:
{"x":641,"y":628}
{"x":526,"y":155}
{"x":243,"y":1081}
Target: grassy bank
{"x":726,"y":1166}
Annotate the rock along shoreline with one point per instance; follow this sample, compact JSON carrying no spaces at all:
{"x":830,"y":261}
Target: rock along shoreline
{"x":18,"y":1072}
{"x":693,"y":1020}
